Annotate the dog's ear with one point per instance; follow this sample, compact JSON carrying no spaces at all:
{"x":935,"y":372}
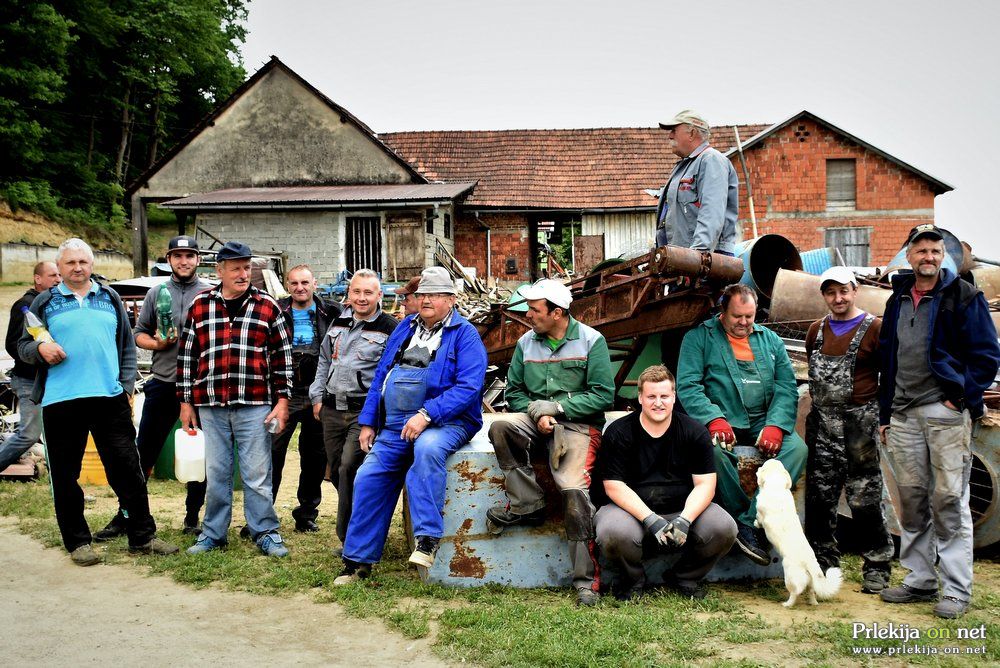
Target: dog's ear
{"x":787,"y":477}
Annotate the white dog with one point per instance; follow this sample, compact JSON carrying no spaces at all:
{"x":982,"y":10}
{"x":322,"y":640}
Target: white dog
{"x":776,"y":514}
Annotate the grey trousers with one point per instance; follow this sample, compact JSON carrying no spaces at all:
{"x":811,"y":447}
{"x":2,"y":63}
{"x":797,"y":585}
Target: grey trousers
{"x":928,"y":450}
{"x":622,"y":538}
{"x":343,"y":452}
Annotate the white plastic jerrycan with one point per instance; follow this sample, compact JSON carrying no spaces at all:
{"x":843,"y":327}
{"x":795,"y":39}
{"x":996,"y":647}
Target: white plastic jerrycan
{"x":189,"y":455}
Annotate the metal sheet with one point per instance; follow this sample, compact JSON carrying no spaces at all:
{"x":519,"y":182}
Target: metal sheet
{"x":324,"y":194}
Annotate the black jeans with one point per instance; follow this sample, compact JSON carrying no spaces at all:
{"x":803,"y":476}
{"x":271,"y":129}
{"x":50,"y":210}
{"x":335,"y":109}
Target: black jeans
{"x":312,"y":457}
{"x":341,"y":432}
{"x":160,"y":410}
{"x":109,"y":419}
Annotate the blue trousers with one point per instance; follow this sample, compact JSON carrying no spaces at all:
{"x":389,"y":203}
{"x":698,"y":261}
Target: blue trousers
{"x":392,"y":463}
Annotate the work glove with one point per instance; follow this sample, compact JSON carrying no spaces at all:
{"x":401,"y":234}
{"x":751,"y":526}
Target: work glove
{"x":559,"y":447}
{"x":722,"y":433}
{"x":677,"y":532}
{"x":657,"y":527}
{"x":540,"y":407}
{"x":769,"y":440}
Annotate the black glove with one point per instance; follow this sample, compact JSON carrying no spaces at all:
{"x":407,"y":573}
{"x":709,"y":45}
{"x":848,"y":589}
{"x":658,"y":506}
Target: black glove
{"x":677,"y":533}
{"x":657,"y":527}
{"x":540,"y":407}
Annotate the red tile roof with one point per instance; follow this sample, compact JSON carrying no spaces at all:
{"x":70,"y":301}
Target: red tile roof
{"x":594,"y":168}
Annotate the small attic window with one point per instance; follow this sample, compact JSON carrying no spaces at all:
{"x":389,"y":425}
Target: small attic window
{"x":841,"y":187}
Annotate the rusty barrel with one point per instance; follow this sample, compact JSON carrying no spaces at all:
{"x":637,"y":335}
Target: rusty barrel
{"x":763,"y":257}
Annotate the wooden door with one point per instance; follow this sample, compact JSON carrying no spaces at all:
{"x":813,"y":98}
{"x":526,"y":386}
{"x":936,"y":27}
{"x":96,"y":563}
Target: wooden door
{"x":405,"y":254}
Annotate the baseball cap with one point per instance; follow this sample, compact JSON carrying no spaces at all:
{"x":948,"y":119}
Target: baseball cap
{"x":435,"y":279}
{"x":233,"y":250}
{"x":841,"y":275}
{"x":550,"y":289}
{"x":686,"y":117}
{"x":409,"y":288}
{"x":927,"y":230}
{"x":182,"y":242}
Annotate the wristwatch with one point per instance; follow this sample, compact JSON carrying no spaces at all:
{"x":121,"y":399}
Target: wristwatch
{"x":427,"y":416}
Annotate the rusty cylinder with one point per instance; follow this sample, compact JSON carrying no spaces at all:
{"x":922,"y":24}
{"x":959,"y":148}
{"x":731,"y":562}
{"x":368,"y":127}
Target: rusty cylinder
{"x":797,"y":299}
{"x":678,"y":261}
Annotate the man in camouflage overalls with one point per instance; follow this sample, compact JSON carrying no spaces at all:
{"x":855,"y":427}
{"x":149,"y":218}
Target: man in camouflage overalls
{"x":842,"y":429}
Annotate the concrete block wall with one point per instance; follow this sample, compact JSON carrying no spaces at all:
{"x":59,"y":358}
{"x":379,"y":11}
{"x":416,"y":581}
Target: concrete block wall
{"x":17,"y":262}
{"x":315,"y":238}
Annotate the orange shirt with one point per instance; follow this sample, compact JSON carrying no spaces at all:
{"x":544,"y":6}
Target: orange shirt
{"x":741,"y":348}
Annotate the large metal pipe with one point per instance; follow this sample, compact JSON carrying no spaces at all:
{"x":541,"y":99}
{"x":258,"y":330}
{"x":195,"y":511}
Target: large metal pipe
{"x":797,"y":301}
{"x":987,"y":279}
{"x":763,"y":257}
{"x":675,"y":260}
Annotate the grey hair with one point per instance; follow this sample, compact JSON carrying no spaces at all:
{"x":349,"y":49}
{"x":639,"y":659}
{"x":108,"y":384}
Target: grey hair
{"x":366,"y":273}
{"x":76,"y":245}
{"x":705,"y":133}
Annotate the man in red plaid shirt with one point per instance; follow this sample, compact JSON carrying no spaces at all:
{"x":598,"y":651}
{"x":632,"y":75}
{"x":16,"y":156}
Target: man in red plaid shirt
{"x":234,"y":364}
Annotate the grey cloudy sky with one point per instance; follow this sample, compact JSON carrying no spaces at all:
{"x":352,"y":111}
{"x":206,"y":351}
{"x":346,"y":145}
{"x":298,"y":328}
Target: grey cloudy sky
{"x":918,"y":79}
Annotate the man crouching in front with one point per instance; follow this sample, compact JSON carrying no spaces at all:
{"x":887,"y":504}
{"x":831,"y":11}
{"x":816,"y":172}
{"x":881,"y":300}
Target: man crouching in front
{"x":658,"y":470}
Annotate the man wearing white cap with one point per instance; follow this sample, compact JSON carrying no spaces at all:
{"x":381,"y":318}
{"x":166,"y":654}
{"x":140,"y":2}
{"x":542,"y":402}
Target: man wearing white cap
{"x":842,"y":428}
{"x":699,"y":204}
{"x":559,"y":385}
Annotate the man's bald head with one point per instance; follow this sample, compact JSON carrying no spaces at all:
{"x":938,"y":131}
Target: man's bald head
{"x":46,"y":274}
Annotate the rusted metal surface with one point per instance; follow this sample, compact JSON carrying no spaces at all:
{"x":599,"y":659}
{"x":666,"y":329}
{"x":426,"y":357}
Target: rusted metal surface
{"x":313,"y":195}
{"x":797,"y":302}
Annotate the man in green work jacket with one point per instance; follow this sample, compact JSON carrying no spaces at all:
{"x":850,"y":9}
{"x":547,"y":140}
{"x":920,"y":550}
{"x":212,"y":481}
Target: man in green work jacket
{"x":559,"y":385}
{"x":735,"y":377}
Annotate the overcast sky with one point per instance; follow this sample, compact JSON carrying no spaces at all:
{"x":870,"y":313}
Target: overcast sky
{"x":917,"y":79}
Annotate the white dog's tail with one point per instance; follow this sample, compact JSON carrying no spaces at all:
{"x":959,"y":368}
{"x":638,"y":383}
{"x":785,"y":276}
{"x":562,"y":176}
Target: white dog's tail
{"x":825,"y":586}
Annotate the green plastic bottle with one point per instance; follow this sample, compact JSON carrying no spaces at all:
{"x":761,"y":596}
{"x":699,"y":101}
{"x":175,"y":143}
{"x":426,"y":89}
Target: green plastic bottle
{"x":164,"y":314}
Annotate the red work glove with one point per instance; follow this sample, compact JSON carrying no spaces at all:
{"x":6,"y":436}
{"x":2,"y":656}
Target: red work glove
{"x":722,"y":433}
{"x":769,"y":441}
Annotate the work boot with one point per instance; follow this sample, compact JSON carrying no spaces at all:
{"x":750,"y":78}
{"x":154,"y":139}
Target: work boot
{"x":427,"y":547}
{"x":746,"y":541}
{"x":84,"y":556}
{"x":950,"y":607}
{"x":306,"y":526}
{"x":907,"y":594}
{"x":874,"y":581}
{"x":499,"y":518}
{"x":586,"y":598}
{"x":116,"y":528}
{"x":155,"y":546}
{"x":192,"y":527}
{"x":353,"y":572}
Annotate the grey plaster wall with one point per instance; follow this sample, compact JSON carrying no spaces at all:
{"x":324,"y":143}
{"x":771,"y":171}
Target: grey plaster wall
{"x":315,"y":238}
{"x":278,"y":133}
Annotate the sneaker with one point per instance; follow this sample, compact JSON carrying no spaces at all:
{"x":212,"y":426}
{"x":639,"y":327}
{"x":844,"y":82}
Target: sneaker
{"x":84,"y":556}
{"x":352,"y":573}
{"x":746,"y":541}
{"x":586,"y":598}
{"x":155,"y":546}
{"x":204,"y":545}
{"x":950,"y":607}
{"x":686,"y":588}
{"x":116,"y":528}
{"x":272,"y":545}
{"x":192,"y":527}
{"x":907,"y":594}
{"x":427,"y":548}
{"x":502,"y":516}
{"x":874,"y":581}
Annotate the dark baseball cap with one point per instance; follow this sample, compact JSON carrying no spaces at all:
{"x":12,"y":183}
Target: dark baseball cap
{"x":409,"y":288}
{"x":927,"y":230}
{"x":183,"y":242}
{"x":233,"y":250}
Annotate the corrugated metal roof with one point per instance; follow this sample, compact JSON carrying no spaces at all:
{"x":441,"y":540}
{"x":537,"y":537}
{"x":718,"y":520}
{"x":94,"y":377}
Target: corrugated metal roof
{"x":320,"y":195}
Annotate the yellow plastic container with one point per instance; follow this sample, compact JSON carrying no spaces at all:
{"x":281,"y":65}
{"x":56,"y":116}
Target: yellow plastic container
{"x":92,"y":470}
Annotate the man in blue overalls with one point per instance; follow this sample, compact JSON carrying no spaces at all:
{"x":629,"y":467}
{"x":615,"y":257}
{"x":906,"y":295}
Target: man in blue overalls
{"x":423,"y":405}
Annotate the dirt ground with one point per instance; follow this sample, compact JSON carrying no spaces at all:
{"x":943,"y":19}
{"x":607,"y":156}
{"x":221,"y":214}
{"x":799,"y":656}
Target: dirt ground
{"x":59,"y":614}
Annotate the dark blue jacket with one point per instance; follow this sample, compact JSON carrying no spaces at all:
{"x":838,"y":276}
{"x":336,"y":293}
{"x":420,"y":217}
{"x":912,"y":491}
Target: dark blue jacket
{"x":963,"y":352}
{"x":455,"y":377}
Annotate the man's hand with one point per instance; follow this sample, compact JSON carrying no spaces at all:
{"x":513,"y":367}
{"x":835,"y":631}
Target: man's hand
{"x":769,"y":440}
{"x":189,"y":419}
{"x":366,"y":438}
{"x":883,"y":432}
{"x":950,"y":405}
{"x":677,"y":532}
{"x":414,"y":427}
{"x":51,"y":352}
{"x":722,"y":433}
{"x":546,"y":424}
{"x":541,"y":407}
{"x":279,"y":413}
{"x":160,"y":343}
{"x":317,"y":409}
{"x":657,"y":527}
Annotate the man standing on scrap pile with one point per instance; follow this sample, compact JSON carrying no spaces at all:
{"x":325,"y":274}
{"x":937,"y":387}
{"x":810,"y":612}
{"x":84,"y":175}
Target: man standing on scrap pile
{"x":841,"y":431}
{"x":559,"y":384}
{"x":699,"y":204}
{"x":425,"y":402}
{"x":86,"y":374}
{"x":348,"y":355}
{"x":735,"y":377}
{"x":160,"y":409}
{"x":307,"y":317}
{"x":22,"y":376}
{"x":939,"y":353}
{"x":234,"y":364}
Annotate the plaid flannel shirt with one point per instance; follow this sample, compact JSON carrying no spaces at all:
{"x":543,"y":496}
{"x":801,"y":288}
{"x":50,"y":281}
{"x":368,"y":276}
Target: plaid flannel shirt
{"x":221,"y":363}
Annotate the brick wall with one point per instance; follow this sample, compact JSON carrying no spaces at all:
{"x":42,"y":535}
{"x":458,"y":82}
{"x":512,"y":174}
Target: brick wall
{"x":788,"y":173}
{"x":508,"y":239}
